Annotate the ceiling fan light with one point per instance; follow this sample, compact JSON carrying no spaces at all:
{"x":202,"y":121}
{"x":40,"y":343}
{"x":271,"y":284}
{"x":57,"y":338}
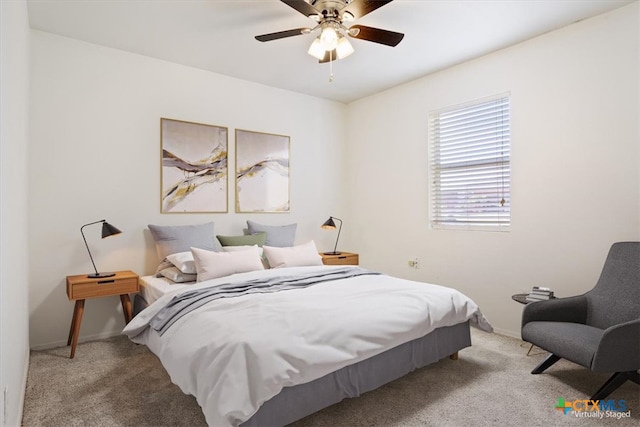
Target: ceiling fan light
{"x":329,"y":38}
{"x":344,"y":48}
{"x":316,"y":49}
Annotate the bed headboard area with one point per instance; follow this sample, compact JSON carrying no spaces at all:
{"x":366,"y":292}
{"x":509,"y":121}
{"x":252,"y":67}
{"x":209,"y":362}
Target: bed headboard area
{"x":194,"y":252}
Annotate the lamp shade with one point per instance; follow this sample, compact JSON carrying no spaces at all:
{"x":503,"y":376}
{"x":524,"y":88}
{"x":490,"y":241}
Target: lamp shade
{"x":316,"y":50}
{"x":331,"y":225}
{"x":107,"y":230}
{"x":344,"y":48}
{"x":329,"y":37}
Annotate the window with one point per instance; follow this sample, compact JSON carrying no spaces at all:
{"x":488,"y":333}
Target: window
{"x":470,"y":165}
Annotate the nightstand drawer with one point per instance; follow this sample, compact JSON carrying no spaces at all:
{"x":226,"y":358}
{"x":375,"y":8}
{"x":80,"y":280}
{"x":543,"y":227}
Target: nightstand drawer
{"x":345,"y":258}
{"x":102,"y":288}
{"x":121,"y":283}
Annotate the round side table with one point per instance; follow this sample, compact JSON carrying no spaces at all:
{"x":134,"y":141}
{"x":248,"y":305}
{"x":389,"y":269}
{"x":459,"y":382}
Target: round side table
{"x":521,"y":298}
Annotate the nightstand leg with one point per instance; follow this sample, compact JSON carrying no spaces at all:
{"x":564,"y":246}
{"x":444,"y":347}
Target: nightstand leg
{"x":73,"y":323}
{"x":126,"y":307}
{"x":75,"y":326}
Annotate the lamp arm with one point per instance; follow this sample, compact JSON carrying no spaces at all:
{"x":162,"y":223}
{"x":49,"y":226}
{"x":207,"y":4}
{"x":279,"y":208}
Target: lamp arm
{"x":335,"y":249}
{"x":85,"y":242}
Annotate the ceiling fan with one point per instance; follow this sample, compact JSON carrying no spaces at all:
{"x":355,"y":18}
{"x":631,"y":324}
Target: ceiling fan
{"x":331,"y":16}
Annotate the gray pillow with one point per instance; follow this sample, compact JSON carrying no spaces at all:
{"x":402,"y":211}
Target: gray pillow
{"x":171,"y":239}
{"x":281,"y":236}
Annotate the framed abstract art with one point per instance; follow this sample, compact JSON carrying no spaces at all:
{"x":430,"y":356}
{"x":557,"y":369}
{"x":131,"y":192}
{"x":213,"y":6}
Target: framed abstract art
{"x":194,"y":167}
{"x":262,"y":172}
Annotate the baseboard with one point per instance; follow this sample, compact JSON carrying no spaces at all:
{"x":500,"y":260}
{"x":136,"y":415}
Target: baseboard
{"x":507,"y":333}
{"x":86,"y":338}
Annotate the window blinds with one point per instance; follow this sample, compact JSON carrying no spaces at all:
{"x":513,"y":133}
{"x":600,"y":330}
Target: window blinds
{"x":470,"y":165}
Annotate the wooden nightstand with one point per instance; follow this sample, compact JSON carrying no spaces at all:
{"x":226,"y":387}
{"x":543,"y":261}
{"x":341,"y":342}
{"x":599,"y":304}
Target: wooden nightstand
{"x":82,"y":287}
{"x":345,"y":258}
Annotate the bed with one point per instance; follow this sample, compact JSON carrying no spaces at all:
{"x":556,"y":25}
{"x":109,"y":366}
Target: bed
{"x":270,"y":358}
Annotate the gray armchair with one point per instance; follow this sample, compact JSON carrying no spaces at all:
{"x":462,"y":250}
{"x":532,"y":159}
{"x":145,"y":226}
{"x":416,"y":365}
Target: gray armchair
{"x":600,"y":329}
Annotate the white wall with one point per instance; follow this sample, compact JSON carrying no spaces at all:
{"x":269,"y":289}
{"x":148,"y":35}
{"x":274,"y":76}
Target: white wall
{"x":14,"y":269}
{"x":95,"y":146}
{"x":575,"y":163}
{"x":95,"y":154}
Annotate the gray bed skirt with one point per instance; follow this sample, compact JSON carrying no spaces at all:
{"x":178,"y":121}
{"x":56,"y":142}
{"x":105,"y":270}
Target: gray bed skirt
{"x":139,"y":304}
{"x":294,"y":403}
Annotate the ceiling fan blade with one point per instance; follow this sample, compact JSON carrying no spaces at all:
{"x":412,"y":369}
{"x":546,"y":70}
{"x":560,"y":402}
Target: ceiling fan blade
{"x":328,"y":56}
{"x":302,"y":6}
{"x":360,"y":8}
{"x":376,"y":35}
{"x":281,"y":34}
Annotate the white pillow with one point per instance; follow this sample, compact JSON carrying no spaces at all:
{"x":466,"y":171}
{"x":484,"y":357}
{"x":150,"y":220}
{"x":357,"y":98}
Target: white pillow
{"x":183,"y":262}
{"x":211,"y":265}
{"x":177,"y":276}
{"x":242,"y":248}
{"x":293,"y":256}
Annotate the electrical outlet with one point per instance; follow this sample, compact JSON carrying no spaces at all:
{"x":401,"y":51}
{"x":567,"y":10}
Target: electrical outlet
{"x":414,"y":262}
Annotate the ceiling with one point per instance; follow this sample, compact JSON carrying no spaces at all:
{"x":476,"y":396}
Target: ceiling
{"x":218,"y":35}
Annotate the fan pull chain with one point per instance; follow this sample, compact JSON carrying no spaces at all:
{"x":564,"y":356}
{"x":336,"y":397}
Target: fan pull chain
{"x":330,"y":67}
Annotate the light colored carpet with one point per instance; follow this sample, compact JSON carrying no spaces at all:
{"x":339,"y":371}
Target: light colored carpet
{"x":114,"y":382}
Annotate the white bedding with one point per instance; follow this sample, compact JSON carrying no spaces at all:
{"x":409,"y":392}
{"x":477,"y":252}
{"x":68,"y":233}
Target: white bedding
{"x":152,"y":288}
{"x":234,"y":354}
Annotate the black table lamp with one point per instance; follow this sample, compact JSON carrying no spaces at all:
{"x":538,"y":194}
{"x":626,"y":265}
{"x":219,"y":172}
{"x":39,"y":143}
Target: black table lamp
{"x":107,"y":230}
{"x":330,"y":225}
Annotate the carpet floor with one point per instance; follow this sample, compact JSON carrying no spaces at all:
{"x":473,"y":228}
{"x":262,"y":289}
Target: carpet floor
{"x":114,"y":382}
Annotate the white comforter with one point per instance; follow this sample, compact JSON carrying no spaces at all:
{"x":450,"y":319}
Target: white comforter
{"x":234,"y":354}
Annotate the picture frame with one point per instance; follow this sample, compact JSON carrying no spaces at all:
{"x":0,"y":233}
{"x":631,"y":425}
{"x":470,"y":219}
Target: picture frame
{"x":194,"y":167}
{"x":262,"y":172}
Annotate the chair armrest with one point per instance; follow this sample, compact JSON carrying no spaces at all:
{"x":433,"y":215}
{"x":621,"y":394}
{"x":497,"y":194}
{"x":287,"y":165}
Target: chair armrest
{"x":571,"y":309}
{"x":619,"y":349}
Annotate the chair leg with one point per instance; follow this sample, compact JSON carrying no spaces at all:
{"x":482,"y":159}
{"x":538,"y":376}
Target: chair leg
{"x":550,"y":360}
{"x":530,"y":348}
{"x":615,"y":381}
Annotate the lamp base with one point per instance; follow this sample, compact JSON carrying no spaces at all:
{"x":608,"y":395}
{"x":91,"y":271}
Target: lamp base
{"x":100,"y":275}
{"x":331,"y":253}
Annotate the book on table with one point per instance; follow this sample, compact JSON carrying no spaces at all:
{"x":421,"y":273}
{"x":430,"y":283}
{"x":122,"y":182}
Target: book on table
{"x":539,"y":293}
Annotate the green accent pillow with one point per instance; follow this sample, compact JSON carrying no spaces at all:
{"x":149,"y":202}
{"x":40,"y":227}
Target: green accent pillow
{"x":244,"y":240}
